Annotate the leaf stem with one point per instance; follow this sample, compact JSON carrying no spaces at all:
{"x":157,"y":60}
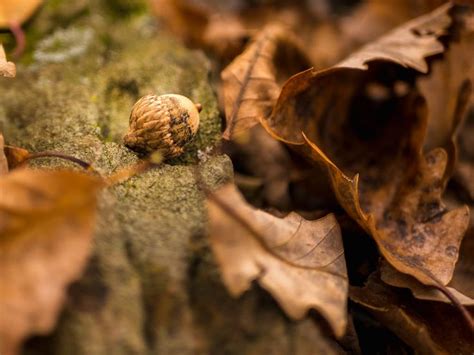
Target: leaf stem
{"x":50,"y":154}
{"x":443,"y":289}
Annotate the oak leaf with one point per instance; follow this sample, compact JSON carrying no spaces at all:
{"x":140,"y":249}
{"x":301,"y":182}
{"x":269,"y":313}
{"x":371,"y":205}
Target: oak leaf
{"x":448,"y":92}
{"x":428,"y":327}
{"x":373,"y":18}
{"x":16,"y":156}
{"x":464,"y":170}
{"x":364,"y":116}
{"x":46,"y":225}
{"x":300,"y":262}
{"x":463,"y":278}
{"x":7,"y":69}
{"x":250,"y":84}
{"x":394,"y":278}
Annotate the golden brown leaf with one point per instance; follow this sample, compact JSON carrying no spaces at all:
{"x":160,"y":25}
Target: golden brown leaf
{"x":46,"y":224}
{"x":7,"y":69}
{"x":428,"y":327}
{"x":301,"y":263}
{"x":252,"y":82}
{"x":370,"y":120}
{"x":15,"y":156}
{"x":16,"y":11}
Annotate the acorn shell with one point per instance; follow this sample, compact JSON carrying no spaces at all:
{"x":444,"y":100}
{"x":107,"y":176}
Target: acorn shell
{"x":165,"y":123}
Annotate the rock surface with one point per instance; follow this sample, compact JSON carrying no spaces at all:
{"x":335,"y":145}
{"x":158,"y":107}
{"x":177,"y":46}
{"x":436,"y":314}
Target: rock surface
{"x":151,"y":286}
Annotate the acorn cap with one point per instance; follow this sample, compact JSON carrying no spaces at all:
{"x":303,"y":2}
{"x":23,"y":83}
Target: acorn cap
{"x":165,"y":123}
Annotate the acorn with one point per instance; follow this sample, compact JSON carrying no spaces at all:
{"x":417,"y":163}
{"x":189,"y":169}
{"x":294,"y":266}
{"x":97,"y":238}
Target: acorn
{"x":163,"y":123}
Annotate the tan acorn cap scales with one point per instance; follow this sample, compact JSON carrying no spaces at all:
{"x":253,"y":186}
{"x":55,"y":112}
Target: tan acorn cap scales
{"x":163,"y":123}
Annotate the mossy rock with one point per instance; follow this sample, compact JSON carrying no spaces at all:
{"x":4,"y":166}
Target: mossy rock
{"x":151,"y":286}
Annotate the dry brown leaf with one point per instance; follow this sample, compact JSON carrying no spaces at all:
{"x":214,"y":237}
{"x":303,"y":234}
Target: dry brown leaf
{"x":459,"y":66}
{"x":372,"y":121}
{"x":268,"y":160}
{"x":7,"y":69}
{"x":428,"y":327}
{"x":463,"y":278}
{"x":464,"y":171}
{"x":464,"y":2}
{"x":186,"y":19}
{"x":224,"y":27}
{"x":16,"y":11}
{"x":301,"y":263}
{"x":394,"y":278}
{"x":15,"y":156}
{"x":3,"y":158}
{"x":46,"y":224}
{"x":372,"y":18}
{"x":252,"y":82}
{"x":312,"y":93}
{"x":447,"y":87}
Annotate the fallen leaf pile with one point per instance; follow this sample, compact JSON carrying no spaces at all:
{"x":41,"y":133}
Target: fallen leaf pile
{"x":388,"y":129}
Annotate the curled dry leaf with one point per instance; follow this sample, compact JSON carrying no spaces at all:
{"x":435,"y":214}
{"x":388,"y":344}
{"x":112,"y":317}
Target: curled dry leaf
{"x":365,"y":116}
{"x":252,"y":82}
{"x":310,"y":94}
{"x":15,"y":156}
{"x":46,"y":224}
{"x":301,"y":263}
{"x":394,"y":278}
{"x":16,"y":11}
{"x":428,"y":327}
{"x":448,"y":88}
{"x":7,"y":69}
